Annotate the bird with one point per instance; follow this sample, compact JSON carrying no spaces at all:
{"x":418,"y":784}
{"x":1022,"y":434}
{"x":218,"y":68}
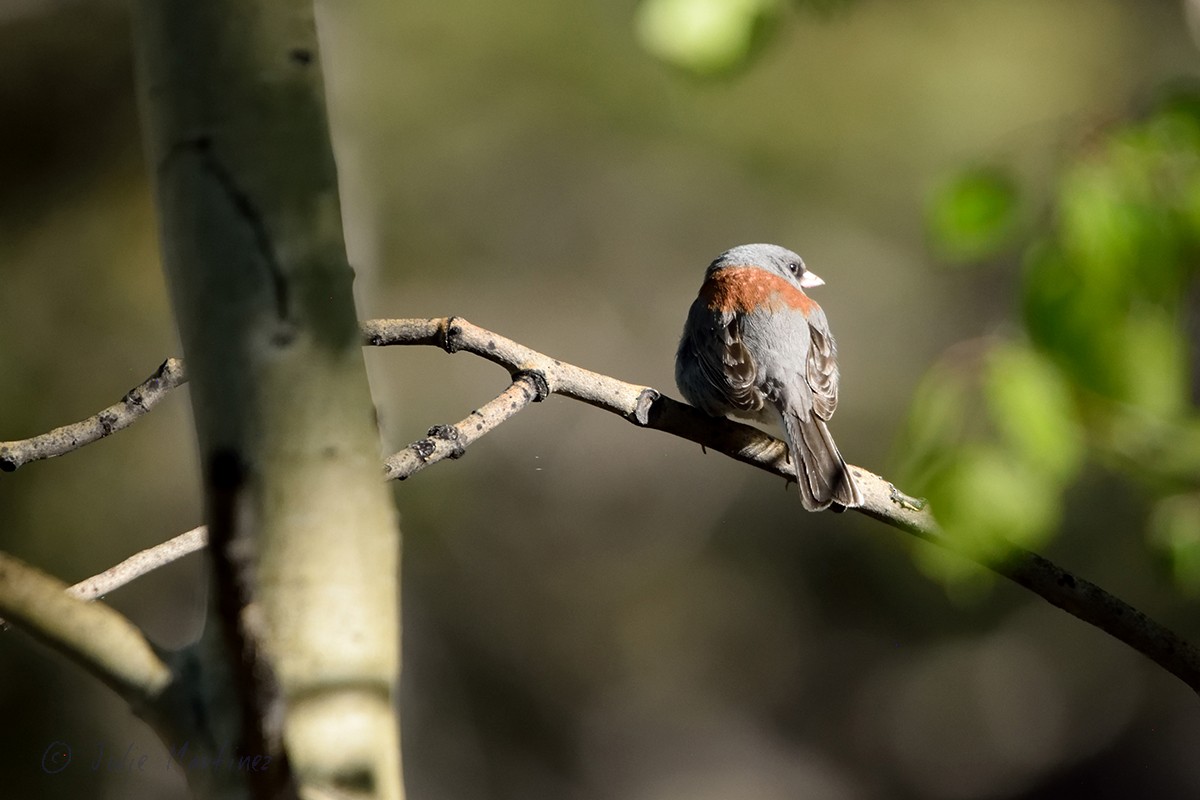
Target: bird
{"x":755,"y":346}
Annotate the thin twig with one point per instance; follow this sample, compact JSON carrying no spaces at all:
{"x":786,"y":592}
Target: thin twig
{"x":140,"y":563}
{"x":137,"y":565}
{"x":140,"y":400}
{"x":450,"y":441}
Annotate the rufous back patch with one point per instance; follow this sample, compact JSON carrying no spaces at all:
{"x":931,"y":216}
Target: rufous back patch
{"x":742,"y":289}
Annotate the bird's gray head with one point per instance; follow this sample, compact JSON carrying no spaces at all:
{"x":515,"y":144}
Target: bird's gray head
{"x":769,"y":257}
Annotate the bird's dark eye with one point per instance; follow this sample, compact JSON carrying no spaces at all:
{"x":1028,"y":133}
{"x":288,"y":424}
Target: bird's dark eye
{"x":794,"y":267}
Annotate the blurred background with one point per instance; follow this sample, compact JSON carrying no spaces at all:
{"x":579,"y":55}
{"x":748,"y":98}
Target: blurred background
{"x":1004,"y":199}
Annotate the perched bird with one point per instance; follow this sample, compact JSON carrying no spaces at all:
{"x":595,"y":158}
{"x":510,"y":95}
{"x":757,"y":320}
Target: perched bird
{"x":755,"y":346}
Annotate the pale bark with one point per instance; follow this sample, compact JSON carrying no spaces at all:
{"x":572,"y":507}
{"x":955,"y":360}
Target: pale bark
{"x":304,"y":536}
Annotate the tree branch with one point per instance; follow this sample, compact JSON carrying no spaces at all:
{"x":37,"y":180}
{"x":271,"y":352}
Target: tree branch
{"x":135,"y":566}
{"x":451,"y":441}
{"x":536,"y":376}
{"x":138,"y":401}
{"x":95,"y":636}
{"x":141,"y":563}
{"x":645,"y":407}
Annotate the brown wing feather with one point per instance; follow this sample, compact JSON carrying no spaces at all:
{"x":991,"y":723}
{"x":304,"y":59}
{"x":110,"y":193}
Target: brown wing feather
{"x":741,"y":373}
{"x":821,"y":373}
{"x":731,"y":369}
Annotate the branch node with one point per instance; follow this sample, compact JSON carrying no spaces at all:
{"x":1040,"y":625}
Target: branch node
{"x":424,"y":448}
{"x":108,"y":422}
{"x":448,"y":433}
{"x":452,"y":334}
{"x":641,"y":409}
{"x":541,"y":386}
{"x":134,"y":398}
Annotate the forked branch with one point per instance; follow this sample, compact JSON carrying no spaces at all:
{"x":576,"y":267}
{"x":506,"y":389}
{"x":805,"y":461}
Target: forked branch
{"x":536,"y":376}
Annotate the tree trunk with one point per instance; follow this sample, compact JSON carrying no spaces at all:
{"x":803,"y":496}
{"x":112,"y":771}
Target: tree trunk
{"x":304,"y":625}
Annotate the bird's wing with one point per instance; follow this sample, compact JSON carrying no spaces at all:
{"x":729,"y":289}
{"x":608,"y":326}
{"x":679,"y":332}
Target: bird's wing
{"x":730,"y":368}
{"x":821,"y":372}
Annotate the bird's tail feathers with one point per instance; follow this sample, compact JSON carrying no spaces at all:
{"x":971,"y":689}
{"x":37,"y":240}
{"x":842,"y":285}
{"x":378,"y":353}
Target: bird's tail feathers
{"x":821,"y":471}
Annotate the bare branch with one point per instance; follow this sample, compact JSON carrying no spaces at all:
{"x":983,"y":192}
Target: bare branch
{"x":140,"y":400}
{"x":644,"y":406}
{"x":1057,"y":586}
{"x":94,"y":635}
{"x":454,"y":334}
{"x":450,"y":441}
{"x":140,"y":563}
{"x":536,"y":375}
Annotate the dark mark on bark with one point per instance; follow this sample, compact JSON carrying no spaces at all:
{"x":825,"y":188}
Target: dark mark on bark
{"x":202,"y":147}
{"x":449,"y":433}
{"x":540,"y":385}
{"x":108,"y":422}
{"x":451,"y":335}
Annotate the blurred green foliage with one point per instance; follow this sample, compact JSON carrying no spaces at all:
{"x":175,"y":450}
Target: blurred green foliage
{"x":1101,"y":367}
{"x":705,"y":37}
{"x":974,"y":214}
{"x":713,"y":38}
{"x":1175,"y":529}
{"x":993,"y":439}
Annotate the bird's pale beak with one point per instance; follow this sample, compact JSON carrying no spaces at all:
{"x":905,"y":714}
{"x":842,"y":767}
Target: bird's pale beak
{"x":811,"y":279}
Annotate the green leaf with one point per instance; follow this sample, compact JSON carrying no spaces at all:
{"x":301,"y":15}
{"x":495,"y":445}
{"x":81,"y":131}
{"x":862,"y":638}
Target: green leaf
{"x":1098,"y":229}
{"x":965,"y":581}
{"x":1175,"y":529}
{"x":1063,"y":312}
{"x":986,"y":498}
{"x":973,"y":215}
{"x":1031,"y":406}
{"x":936,"y":424}
{"x":704,"y":37}
{"x":1155,"y":363}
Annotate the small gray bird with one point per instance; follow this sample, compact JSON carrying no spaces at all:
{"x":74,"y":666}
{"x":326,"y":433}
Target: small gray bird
{"x":756,"y":346}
